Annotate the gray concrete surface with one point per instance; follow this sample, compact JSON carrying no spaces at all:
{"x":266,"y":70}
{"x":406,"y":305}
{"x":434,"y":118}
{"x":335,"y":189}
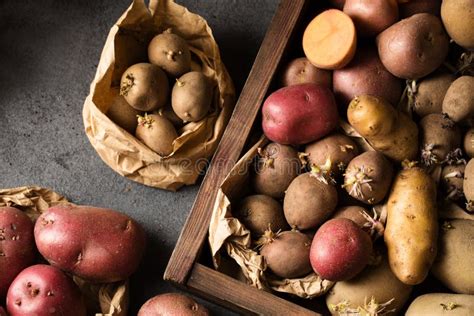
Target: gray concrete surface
{"x":49,"y":52}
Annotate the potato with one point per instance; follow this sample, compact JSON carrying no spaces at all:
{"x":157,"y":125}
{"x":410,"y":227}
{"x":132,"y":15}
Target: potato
{"x":169,"y":304}
{"x":170,"y":52}
{"x":439,"y":137}
{"x":469,"y":143}
{"x":299,"y":114}
{"x":452,"y":177}
{"x":458,"y":102}
{"x":168,"y":113}
{"x":308,"y":202}
{"x":413,"y":47}
{"x":340,"y":250}
{"x":365,"y":75}
{"x":44,"y":290}
{"x":97,"y":244}
{"x":430,"y":93}
{"x":123,"y":114}
{"x":455,"y":259}
{"x":377,"y":282}
{"x":458,"y":19}
{"x":17,"y":246}
{"x":411,"y":230}
{"x":156,"y":132}
{"x":389,"y":131}
{"x":419,"y":6}
{"x":192,"y":96}
{"x":371,"y":16}
{"x":440,"y":304}
{"x":276,"y":166}
{"x":287,"y":254}
{"x":338,"y":149}
{"x":368,"y":177}
{"x":261,"y":212}
{"x":468,"y":185}
{"x":300,"y":70}
{"x":353,"y":212}
{"x":145,"y":87}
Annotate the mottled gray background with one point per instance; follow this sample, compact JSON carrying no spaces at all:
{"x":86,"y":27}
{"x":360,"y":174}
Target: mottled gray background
{"x":49,"y":52}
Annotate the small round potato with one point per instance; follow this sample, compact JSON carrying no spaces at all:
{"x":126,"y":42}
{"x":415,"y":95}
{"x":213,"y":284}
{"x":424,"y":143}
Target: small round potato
{"x":458,"y":102}
{"x":276,"y":167}
{"x":452,"y":178}
{"x":469,"y":143}
{"x":261,"y":212}
{"x":145,"y":87}
{"x":430,"y":93}
{"x":300,"y":70}
{"x":353,"y":212}
{"x":170,"y":52}
{"x":458,"y":19}
{"x":169,"y":304}
{"x":192,"y":96}
{"x":168,"y":113}
{"x":156,"y":132}
{"x":123,"y":114}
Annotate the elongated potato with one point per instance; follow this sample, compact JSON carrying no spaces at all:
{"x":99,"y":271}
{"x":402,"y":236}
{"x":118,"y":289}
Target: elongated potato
{"x":389,"y":131}
{"x":411,"y":230}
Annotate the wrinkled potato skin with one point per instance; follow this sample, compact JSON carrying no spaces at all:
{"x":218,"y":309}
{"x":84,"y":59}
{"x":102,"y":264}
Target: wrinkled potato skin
{"x":411,"y":230}
{"x":274,"y":174}
{"x":159,"y":136}
{"x":455,"y":259}
{"x":338,"y":148}
{"x":391,"y":132}
{"x":288,"y":254}
{"x":374,"y":281}
{"x":17,"y":245}
{"x":259,"y":212}
{"x":458,"y":19}
{"x":169,"y":304}
{"x":308,"y":202}
{"x":123,"y":114}
{"x":413,"y":47}
{"x":354,"y":213}
{"x":96,"y":244}
{"x":300,"y":70}
{"x":430,"y":304}
{"x":458,"y":102}
{"x":468,"y":184}
{"x":170,"y":52}
{"x":469,"y":143}
{"x":430,"y":94}
{"x":419,"y":6}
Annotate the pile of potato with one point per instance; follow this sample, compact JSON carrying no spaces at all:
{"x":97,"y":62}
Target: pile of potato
{"x":372,"y":145}
{"x":158,"y":98}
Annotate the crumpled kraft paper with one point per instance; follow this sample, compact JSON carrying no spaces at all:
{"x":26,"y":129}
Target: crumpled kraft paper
{"x":126,"y":45}
{"x":227,"y":233}
{"x":110,"y":299}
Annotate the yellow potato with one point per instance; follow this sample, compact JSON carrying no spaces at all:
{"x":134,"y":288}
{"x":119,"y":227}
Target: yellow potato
{"x":411,"y":230}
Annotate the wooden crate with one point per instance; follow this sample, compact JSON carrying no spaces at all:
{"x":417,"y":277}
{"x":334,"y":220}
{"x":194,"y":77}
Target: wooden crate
{"x":184,"y":268}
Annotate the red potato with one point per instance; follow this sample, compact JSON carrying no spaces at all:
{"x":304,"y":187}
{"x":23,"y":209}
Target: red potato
{"x":340,"y":250}
{"x":170,"y":304}
{"x":43,"y":290}
{"x":299,"y":114}
{"x":96,"y":244}
{"x":365,"y":74}
{"x":17,"y":246}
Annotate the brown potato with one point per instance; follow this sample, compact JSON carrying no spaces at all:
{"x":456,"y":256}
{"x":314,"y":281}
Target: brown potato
{"x":455,"y":259}
{"x":353,"y":212}
{"x":156,"y":132}
{"x":308,"y":202}
{"x":170,"y":52}
{"x":368,"y":177}
{"x":439,"y":137}
{"x":276,"y":166}
{"x":468,"y":185}
{"x":300,"y":70}
{"x":441,"y":304}
{"x":144,"y":86}
{"x":458,"y":102}
{"x":413,"y":47}
{"x":430,"y":93}
{"x":389,"y":131}
{"x":168,"y":113}
{"x":287,"y":254}
{"x":169,"y":304}
{"x":452,"y":178}
{"x":261,"y":212}
{"x":338,"y":149}
{"x":123,"y":114}
{"x":192,"y":96}
{"x":458,"y":19}
{"x":371,"y":16}
{"x":469,"y":143}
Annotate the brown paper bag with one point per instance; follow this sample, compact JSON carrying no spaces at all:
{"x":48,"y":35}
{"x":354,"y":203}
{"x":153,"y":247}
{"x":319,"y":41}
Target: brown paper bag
{"x":126,"y":45}
{"x":227,"y":233}
{"x":103,"y":299}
